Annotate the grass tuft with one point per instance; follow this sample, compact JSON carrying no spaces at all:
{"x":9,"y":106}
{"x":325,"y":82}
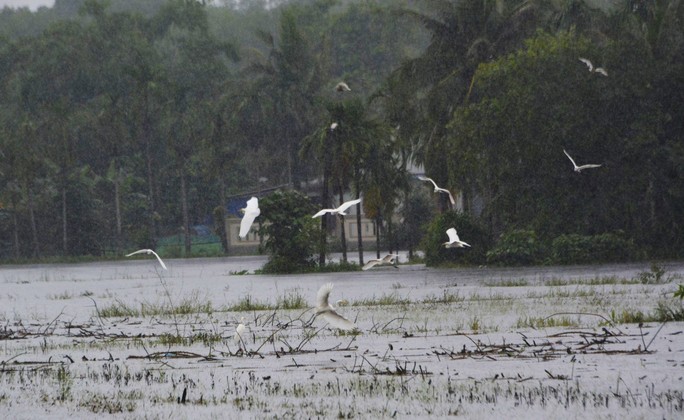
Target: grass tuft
{"x":384,"y":300}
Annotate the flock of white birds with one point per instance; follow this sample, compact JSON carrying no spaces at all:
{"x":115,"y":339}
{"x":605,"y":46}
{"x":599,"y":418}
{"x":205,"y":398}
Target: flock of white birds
{"x":323,"y":306}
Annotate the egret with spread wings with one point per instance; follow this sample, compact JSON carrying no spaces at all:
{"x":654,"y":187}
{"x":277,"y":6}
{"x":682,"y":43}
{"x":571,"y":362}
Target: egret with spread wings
{"x":340,"y":210}
{"x":148,"y":251}
{"x":327,"y":311}
{"x":387,"y":259}
{"x":438,"y":189}
{"x":454,"y":241}
{"x":579,"y":169}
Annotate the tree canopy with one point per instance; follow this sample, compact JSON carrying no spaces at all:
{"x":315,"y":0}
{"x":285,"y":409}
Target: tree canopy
{"x":124,"y":121}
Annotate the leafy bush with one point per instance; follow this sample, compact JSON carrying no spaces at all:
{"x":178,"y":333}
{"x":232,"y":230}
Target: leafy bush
{"x":469,"y":230}
{"x":571,"y":248}
{"x":607,"y":247}
{"x":518,"y":247}
{"x":291,"y":233}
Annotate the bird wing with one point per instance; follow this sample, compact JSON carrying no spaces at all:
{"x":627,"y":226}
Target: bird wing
{"x":424,"y":178}
{"x":588,"y":63}
{"x":465,"y":244}
{"x":252,"y":211}
{"x":322,"y":212}
{"x":388,"y":258}
{"x":588,"y":165}
{"x":451,"y":197}
{"x":370,"y":264}
{"x":347,"y":204}
{"x":342,"y":87}
{"x":149,"y":251}
{"x":252,"y":205}
{"x":246,"y":223}
{"x":601,"y":70}
{"x":322,"y":296}
{"x":571,"y":159}
{"x":140,"y":251}
{"x":160,"y":260}
{"x":453,"y":236}
{"x":337,"y":320}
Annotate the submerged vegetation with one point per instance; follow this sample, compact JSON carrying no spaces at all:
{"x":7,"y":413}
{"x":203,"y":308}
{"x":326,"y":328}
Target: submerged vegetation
{"x":150,"y":347}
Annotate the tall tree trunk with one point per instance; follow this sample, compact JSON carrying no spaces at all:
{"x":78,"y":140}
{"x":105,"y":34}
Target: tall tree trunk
{"x":15,"y":228}
{"x":325,"y":203}
{"x":223,"y":228}
{"x":359,"y":230}
{"x":32,"y":219}
{"x":186,"y":214}
{"x":117,"y":210}
{"x":65,"y":245}
{"x":390,"y":236}
{"x":378,"y":223}
{"x":343,"y":235}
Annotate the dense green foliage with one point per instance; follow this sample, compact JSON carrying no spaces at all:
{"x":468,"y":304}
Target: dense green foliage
{"x":518,"y":247}
{"x":574,"y":248}
{"x":289,"y":230}
{"x":123,"y":122}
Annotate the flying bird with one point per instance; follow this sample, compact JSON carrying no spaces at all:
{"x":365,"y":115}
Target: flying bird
{"x":251,"y":213}
{"x":340,"y":210}
{"x":333,"y":126}
{"x":328,"y":312}
{"x":454,"y":241}
{"x":387,"y":259}
{"x":149,"y":251}
{"x":599,"y":70}
{"x":438,"y":189}
{"x":342,"y":87}
{"x":579,"y":169}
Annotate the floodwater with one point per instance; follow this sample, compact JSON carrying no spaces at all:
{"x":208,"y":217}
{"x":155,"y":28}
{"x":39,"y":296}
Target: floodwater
{"x":226,"y":270}
{"x":482,"y":342}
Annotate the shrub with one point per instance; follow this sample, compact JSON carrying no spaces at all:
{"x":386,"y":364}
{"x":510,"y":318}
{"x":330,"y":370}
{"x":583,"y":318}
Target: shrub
{"x":571,"y":248}
{"x":292,"y":235}
{"x":607,"y":247}
{"x":610,"y":247}
{"x":469,"y":230}
{"x":518,"y":247}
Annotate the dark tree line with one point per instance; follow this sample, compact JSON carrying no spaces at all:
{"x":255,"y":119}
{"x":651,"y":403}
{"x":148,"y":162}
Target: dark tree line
{"x":122,"y":122}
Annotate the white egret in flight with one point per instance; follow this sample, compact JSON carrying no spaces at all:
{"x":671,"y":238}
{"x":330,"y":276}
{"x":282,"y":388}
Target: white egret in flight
{"x":599,"y":70}
{"x":438,"y":189}
{"x":340,"y":210}
{"x":149,"y":251}
{"x":387,"y":259}
{"x":251,"y":213}
{"x":323,"y":308}
{"x":579,"y":169}
{"x":454,"y":241}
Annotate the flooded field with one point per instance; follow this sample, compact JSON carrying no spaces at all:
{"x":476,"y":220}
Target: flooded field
{"x":131,"y":340}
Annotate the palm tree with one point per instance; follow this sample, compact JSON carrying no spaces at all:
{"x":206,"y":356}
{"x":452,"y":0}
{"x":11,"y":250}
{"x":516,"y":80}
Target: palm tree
{"x":286,"y":88}
{"x":464,"y":33}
